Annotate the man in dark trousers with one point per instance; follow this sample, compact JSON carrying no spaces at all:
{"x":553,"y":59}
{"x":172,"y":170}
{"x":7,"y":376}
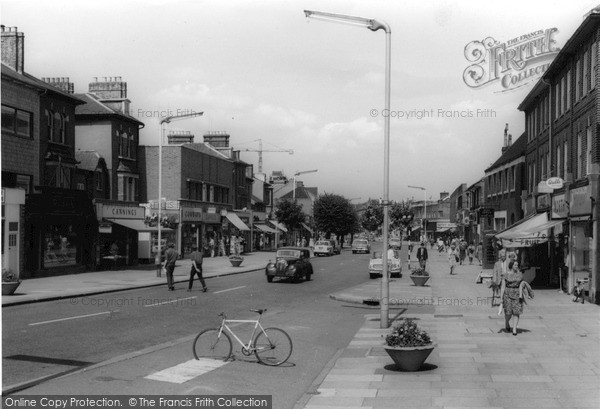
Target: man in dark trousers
{"x":422,"y":255}
{"x":196,"y":258}
{"x":170,"y":259}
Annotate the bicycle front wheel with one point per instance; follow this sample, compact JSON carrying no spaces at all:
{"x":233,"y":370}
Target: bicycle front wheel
{"x":209,"y":344}
{"x":273,"y":346}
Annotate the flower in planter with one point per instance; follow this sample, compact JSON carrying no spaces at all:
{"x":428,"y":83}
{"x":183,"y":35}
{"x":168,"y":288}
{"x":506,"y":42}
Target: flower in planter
{"x":419,"y":272}
{"x":407,"y":334}
{"x":236,"y":258}
{"x":9,"y":277}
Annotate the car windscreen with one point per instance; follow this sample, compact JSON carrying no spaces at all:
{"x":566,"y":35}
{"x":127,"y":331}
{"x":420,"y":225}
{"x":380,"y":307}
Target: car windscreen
{"x":288,"y":253}
{"x":361,"y":242}
{"x":323,"y":243}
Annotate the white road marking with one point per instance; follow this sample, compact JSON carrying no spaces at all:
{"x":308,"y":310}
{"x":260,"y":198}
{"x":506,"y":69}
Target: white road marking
{"x":170,"y":301}
{"x":73,"y":318}
{"x":186,"y":371}
{"x":229,"y":289}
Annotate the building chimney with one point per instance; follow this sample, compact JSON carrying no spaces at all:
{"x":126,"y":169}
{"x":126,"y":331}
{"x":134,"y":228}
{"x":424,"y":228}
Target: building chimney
{"x":444,"y":195}
{"x":507,"y":140}
{"x":13,"y":48}
{"x":177,"y":137}
{"x":62,"y":83}
{"x":112,"y":92}
{"x":217,"y":139}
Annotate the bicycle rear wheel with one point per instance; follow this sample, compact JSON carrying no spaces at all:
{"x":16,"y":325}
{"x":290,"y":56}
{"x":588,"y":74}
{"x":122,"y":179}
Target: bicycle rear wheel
{"x":209,"y":344}
{"x":273,"y":346}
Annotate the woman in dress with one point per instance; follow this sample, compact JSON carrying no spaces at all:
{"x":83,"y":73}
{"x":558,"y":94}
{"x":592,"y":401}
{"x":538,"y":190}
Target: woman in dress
{"x":452,"y":257}
{"x":512,"y":303}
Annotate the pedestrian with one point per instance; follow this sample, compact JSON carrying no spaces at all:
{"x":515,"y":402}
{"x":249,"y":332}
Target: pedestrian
{"x":452,"y":258}
{"x":479,"y":253}
{"x":261,"y":241}
{"x":196,"y":269}
{"x":462,"y":251}
{"x":499,"y":271}
{"x":512,"y":302}
{"x":211,"y":246}
{"x":221,"y":246}
{"x":422,"y":255}
{"x":303,"y":241}
{"x":170,"y":259}
{"x":410,"y":246}
{"x":471,"y":252}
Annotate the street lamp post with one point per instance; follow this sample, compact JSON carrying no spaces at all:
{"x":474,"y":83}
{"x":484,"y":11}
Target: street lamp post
{"x":166,"y":120}
{"x":298,"y":174}
{"x":375,"y":25}
{"x":424,"y":209}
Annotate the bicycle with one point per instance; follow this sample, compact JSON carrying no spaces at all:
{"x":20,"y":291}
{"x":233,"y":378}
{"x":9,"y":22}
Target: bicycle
{"x":271,"y":346}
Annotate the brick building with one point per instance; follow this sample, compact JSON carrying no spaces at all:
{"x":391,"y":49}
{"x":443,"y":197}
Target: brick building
{"x":563,"y":158}
{"x":57,"y":227}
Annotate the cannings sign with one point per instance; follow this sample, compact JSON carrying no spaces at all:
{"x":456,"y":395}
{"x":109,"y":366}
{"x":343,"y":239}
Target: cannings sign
{"x":512,"y":63}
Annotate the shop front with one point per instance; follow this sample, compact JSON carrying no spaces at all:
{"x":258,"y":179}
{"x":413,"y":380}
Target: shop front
{"x":238,"y":232}
{"x":118,"y":226}
{"x":580,"y":237}
{"x":215,"y":241}
{"x":265,"y":237}
{"x":13,"y":201}
{"x":191,"y":229}
{"x":62,"y":229}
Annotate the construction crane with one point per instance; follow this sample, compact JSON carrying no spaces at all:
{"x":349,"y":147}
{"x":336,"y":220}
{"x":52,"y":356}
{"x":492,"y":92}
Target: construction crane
{"x":260,"y":151}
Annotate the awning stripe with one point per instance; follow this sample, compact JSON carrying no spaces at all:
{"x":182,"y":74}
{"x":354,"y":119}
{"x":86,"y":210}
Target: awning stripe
{"x":137,"y":224}
{"x":265,"y":228}
{"x":308,"y":228}
{"x":279,"y":226}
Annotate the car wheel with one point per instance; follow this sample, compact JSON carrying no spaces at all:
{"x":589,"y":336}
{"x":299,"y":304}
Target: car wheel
{"x":270,"y":279}
{"x":372,"y":276}
{"x":353,"y":252}
{"x":296,"y":278}
{"x":307,"y":277}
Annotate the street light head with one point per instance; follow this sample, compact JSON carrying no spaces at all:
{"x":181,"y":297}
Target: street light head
{"x":369,"y":23}
{"x":169,"y":119}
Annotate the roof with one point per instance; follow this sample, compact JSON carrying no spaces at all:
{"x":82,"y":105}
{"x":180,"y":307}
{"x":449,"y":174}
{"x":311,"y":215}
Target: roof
{"x":88,"y":160}
{"x":205,"y":148}
{"x":29,"y":80}
{"x":93,"y":106}
{"x":585,"y":30}
{"x":516,"y":150}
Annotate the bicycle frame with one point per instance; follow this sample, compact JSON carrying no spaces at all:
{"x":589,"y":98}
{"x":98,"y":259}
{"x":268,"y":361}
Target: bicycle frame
{"x":249,"y":347}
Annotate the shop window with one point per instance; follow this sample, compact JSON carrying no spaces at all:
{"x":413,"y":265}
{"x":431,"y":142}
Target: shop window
{"x":60,"y":246}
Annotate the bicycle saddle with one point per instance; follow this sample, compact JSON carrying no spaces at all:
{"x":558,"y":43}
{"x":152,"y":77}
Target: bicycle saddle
{"x":259,"y":311}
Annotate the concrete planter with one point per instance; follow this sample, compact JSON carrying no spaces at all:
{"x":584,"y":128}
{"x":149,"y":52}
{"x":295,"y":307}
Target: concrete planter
{"x":409,"y":359}
{"x":419,"y":280}
{"x":10,"y":288}
{"x":236,"y":261}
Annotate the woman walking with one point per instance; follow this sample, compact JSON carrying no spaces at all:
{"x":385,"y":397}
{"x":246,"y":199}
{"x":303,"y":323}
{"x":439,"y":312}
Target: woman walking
{"x":512,"y":302}
{"x":452,"y":258}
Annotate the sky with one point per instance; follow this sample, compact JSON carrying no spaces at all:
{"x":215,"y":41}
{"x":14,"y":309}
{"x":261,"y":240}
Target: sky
{"x":260,"y":70}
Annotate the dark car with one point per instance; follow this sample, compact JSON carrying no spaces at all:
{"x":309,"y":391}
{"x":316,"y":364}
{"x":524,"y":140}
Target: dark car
{"x":290,"y":262}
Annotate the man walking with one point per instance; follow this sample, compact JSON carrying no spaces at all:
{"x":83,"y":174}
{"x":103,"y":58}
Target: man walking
{"x":196,"y":258}
{"x":170,"y":259}
{"x":422,"y":255}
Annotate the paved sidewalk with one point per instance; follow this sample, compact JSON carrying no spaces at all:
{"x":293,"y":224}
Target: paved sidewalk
{"x":554,"y":361}
{"x":75,"y":285}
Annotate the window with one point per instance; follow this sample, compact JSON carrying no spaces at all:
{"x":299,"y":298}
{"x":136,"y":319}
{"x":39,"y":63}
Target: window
{"x":124,"y":145}
{"x":565,"y":159}
{"x":98,"y":177}
{"x":586,"y":74}
{"x":558,"y":162}
{"x":212,"y":194}
{"x":578,"y":80}
{"x":579,"y":167}
{"x":17,"y":122}
{"x":594,"y":57}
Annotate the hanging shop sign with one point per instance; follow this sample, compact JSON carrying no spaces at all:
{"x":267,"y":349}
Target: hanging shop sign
{"x":555,"y":183}
{"x":560,"y":210}
{"x":581,"y":203}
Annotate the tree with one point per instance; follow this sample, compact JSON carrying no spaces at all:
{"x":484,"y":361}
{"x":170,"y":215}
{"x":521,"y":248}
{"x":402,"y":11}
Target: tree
{"x":372,"y":218}
{"x":334,"y":214}
{"x":400,"y":216}
{"x":290,"y":213}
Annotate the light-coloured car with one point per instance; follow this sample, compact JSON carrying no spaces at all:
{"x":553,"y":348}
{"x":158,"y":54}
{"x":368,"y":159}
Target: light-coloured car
{"x":394,"y":264}
{"x":323,"y":248}
{"x":395,"y":243}
{"x":361,"y":246}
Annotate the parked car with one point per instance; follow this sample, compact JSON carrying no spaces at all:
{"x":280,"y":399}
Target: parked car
{"x":290,"y":262}
{"x":361,"y":246}
{"x":323,"y":248}
{"x":337,"y":247}
{"x":395,"y":243}
{"x":394,"y":264}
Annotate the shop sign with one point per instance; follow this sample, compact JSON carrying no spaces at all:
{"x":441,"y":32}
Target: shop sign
{"x":543,"y":201}
{"x":559,"y":207}
{"x":191,"y":214}
{"x":211,"y":217}
{"x":123,"y":212}
{"x":445,"y":225}
{"x":555,"y":183}
{"x":543,"y":187}
{"x":211,"y":210}
{"x":580,"y":201}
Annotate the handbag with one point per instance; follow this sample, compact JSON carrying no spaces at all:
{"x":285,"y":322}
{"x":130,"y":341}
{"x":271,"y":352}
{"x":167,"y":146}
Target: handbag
{"x":456,"y":257}
{"x":163,"y":270}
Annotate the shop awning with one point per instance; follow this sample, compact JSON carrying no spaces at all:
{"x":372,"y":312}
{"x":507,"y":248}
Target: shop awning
{"x":443,"y":229}
{"x":279,"y":226}
{"x":265,"y":228}
{"x":532,"y":231}
{"x":237,"y":222}
{"x":137,"y":224}
{"x":308,"y":228}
